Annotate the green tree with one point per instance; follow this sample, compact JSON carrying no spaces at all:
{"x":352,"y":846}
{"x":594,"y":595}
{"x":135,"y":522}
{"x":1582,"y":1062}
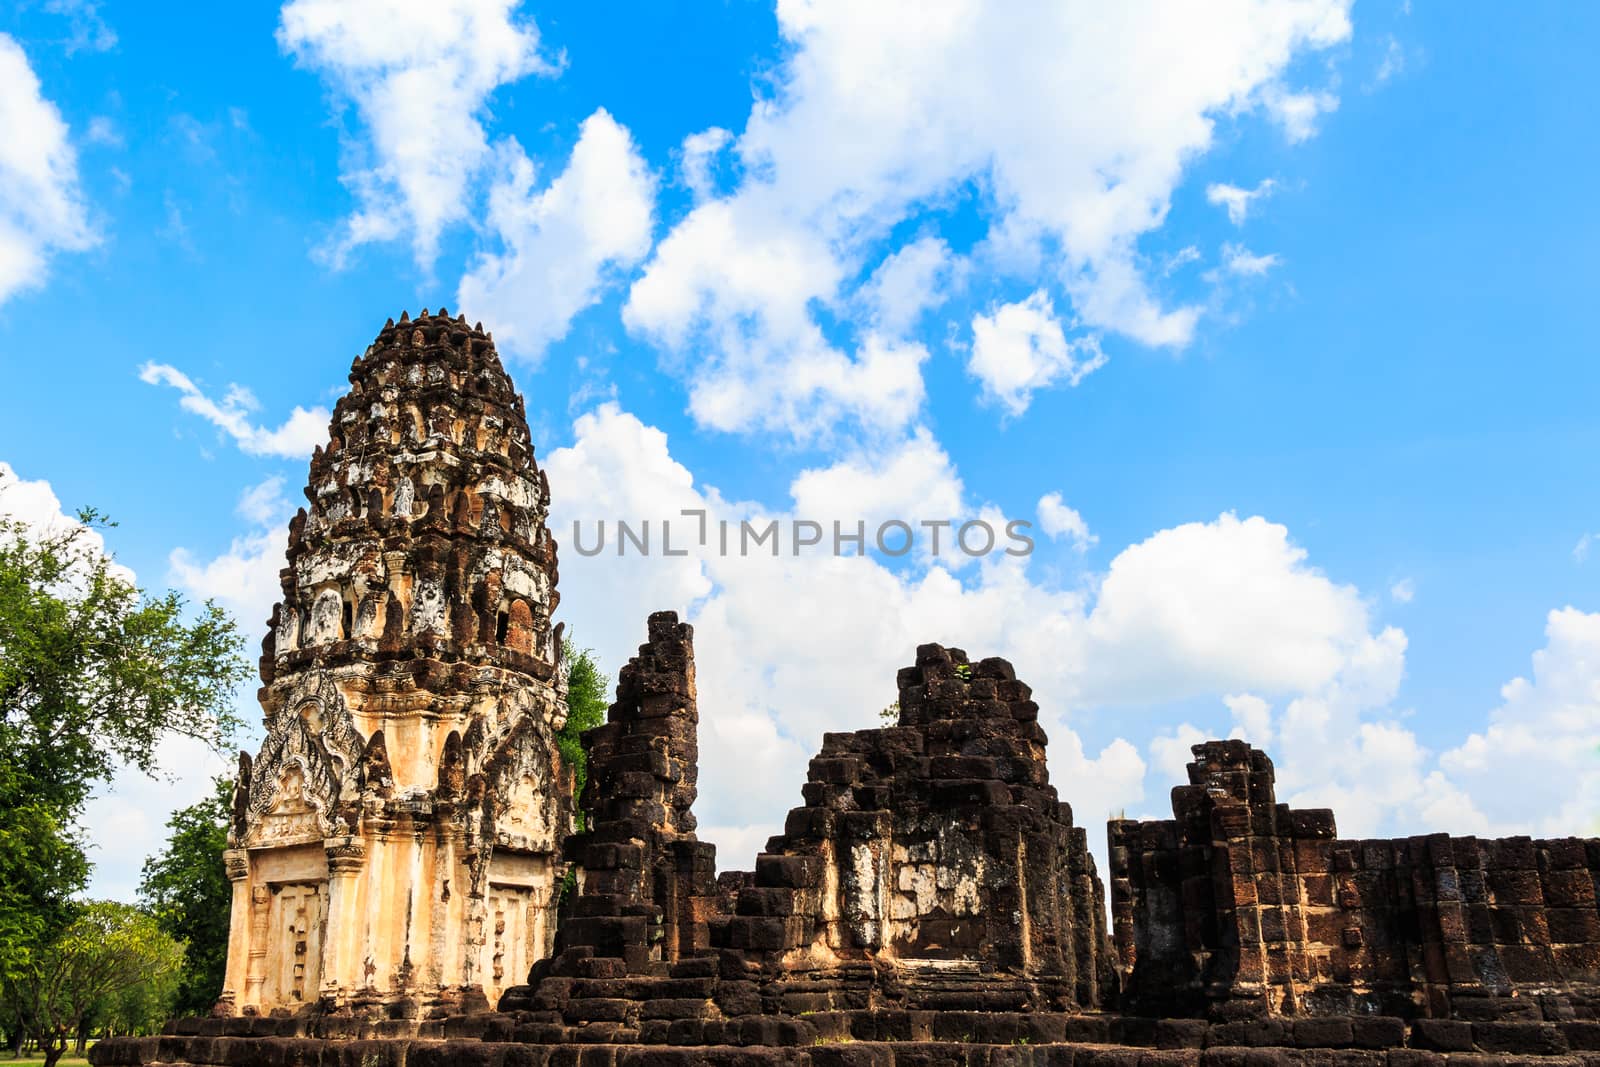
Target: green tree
{"x":108,"y":953}
{"x":93,"y":673}
{"x":586,"y":708}
{"x":42,"y":866}
{"x":186,"y":889}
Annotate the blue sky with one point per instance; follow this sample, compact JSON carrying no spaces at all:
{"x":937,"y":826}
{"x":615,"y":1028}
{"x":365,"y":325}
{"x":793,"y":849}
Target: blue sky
{"x":1285,"y":308}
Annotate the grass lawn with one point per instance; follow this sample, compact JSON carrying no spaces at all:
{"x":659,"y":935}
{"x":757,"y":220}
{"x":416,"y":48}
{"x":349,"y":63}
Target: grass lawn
{"x":33,"y":1059}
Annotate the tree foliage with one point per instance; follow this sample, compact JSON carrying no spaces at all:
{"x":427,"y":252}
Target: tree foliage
{"x":42,"y":866}
{"x":93,"y":673}
{"x":111,"y":956}
{"x":586,"y":708}
{"x":186,"y":890}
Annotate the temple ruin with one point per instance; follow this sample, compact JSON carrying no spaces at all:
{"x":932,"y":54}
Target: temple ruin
{"x":397,"y":840}
{"x":1243,"y":906}
{"x":411,"y":888}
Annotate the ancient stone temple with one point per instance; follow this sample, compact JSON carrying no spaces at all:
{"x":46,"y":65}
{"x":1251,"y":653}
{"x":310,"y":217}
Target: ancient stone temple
{"x":396,"y":842}
{"x":411,"y":889}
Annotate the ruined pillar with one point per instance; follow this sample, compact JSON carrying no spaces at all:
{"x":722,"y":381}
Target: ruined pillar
{"x":646,"y":880}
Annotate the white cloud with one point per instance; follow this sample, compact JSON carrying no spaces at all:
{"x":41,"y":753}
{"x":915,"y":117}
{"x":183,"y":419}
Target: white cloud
{"x":1380,"y":784}
{"x":698,"y":155}
{"x":265,"y":504}
{"x":1580,"y":551}
{"x":790,"y":647}
{"x":909,"y":283}
{"x":244,"y":579}
{"x":1058,"y":520}
{"x":1075,"y":128}
{"x":1252,"y":719}
{"x":1170,"y":753}
{"x":36,"y":506}
{"x":125,"y":821}
{"x":911,"y":482}
{"x":1224,"y":607}
{"x":420,"y":74}
{"x":1021,"y":347}
{"x":1102,"y":787}
{"x":1237,"y":201}
{"x":42,"y":210}
{"x":302,"y":431}
{"x":1535,"y":768}
{"x":1404,"y":591}
{"x":562,"y":243}
{"x":1237,"y":259}
{"x":1297,"y":113}
{"x":737,"y":309}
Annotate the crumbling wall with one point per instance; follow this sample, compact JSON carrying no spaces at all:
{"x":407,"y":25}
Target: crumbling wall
{"x":1241,"y":905}
{"x":937,"y":852}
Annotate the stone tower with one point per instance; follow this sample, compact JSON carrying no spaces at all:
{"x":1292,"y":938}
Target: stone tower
{"x":395,"y":844}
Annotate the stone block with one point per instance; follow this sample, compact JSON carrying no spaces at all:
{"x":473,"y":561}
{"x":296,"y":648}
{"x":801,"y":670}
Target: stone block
{"x":795,"y":872}
{"x":1539,"y":1039}
{"x":1441,"y":1035}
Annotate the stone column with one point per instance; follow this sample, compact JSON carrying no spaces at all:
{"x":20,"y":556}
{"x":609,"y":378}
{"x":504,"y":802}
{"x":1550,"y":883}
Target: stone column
{"x":260,"y":909}
{"x":236,"y":861}
{"x":347,"y":857}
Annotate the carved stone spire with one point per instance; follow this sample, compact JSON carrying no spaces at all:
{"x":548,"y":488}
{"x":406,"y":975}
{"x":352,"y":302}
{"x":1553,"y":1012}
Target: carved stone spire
{"x":412,"y":649}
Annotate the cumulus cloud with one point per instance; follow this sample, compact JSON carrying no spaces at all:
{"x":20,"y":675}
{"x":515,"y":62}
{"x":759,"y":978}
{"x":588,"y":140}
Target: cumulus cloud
{"x":42,"y":210}
{"x":1022,"y":347}
{"x":302,"y":431}
{"x":1535,"y":768}
{"x":1058,"y":520}
{"x":1237,"y":201}
{"x":1222,"y":607}
{"x":420,"y":75}
{"x":1252,"y":719}
{"x":911,"y":482}
{"x":1079,"y":132}
{"x":792,"y":646}
{"x":562,"y":243}
{"x":738,"y":313}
